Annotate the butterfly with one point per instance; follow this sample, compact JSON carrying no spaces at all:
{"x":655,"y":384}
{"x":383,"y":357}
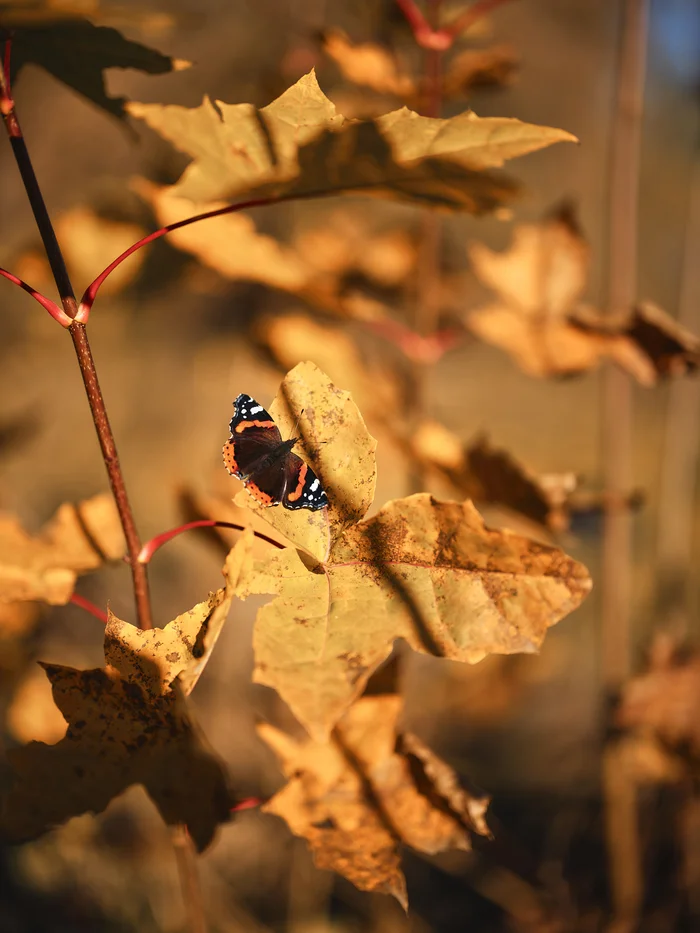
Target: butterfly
{"x":256,"y":454}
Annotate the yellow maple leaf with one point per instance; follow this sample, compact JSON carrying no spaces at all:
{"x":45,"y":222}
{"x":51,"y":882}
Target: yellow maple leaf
{"x":128,"y":724}
{"x":300,"y":146}
{"x":372,"y":788}
{"x":538,"y":318}
{"x":340,"y":449}
{"x":368,"y":64}
{"x":426,"y":571}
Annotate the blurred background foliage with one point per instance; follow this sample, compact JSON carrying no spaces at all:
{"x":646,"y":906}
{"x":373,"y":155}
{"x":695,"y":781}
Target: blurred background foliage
{"x":175,"y":342}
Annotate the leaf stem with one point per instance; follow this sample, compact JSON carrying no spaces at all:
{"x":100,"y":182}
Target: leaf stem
{"x":90,"y":293}
{"x":82,"y":349}
{"x":438,"y":38}
{"x":85,"y":604}
{"x":423,"y":32}
{"x":150,"y":547}
{"x":56,"y":313}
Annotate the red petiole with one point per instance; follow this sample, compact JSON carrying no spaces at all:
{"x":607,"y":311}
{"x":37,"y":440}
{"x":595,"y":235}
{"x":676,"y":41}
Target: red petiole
{"x":150,"y":547}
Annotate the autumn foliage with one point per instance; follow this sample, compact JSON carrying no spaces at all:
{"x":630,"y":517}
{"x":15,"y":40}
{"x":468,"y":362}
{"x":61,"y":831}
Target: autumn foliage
{"x":354,"y":592}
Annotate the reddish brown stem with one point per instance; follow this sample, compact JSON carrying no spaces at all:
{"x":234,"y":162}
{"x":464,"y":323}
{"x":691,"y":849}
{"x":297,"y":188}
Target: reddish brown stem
{"x":116,"y":479}
{"x":85,"y":604}
{"x":150,"y":547}
{"x":423,"y":32}
{"x":82,"y":349}
{"x":56,"y":313}
{"x":249,"y":803}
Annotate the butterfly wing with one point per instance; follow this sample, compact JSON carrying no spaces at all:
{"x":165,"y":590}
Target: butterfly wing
{"x":303,"y":489}
{"x":253,"y":435}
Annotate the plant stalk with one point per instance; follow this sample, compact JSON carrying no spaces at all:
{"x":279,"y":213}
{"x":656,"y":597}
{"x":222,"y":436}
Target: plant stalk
{"x":619,"y":784}
{"x":82,"y":348}
{"x":617,"y":387}
{"x":110,"y":456}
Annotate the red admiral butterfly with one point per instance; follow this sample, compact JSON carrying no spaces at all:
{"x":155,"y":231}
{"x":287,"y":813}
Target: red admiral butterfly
{"x":256,"y":454}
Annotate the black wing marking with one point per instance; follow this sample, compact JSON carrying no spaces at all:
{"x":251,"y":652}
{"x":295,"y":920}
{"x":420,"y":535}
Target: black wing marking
{"x":253,"y":436}
{"x":303,"y":487}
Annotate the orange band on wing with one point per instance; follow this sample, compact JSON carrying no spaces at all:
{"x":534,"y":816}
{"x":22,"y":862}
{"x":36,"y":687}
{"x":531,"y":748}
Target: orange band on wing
{"x":242,"y":425}
{"x":293,"y":496}
{"x":230,"y":459}
{"x":257,"y":493}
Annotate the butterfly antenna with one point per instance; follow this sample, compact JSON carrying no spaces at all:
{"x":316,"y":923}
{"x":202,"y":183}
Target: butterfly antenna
{"x":296,"y":423}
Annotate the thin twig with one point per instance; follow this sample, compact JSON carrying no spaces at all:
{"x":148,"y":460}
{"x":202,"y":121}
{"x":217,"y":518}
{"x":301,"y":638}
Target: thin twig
{"x":676,"y":596}
{"x":150,"y":547}
{"x":620,"y":791}
{"x":189,"y":880}
{"x":617,"y":391}
{"x":36,"y":199}
{"x":82,"y":349}
{"x":116,"y":478}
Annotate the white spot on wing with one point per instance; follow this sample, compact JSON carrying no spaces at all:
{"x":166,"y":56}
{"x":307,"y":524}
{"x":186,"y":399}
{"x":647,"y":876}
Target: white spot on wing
{"x":314,"y":486}
{"x":255,"y":410}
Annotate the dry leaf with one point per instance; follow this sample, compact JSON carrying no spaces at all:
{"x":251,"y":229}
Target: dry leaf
{"x":230,"y":244}
{"x":128,"y":724}
{"x":478,"y":68}
{"x":369,"y":65}
{"x":647,"y":342}
{"x":335,"y":440}
{"x":422,"y":570}
{"x":313,"y":268}
{"x":58,"y":38}
{"x":489,"y":475}
{"x":77,"y":539}
{"x":665,"y":699}
{"x":539,"y":321}
{"x":299,"y":146}
{"x":369,"y":790}
{"x":295,"y":337}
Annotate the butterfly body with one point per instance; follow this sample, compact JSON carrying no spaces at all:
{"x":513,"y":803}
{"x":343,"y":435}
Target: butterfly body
{"x":256,"y":454}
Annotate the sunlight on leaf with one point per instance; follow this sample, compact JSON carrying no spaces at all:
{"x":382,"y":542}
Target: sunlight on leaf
{"x":300,"y":146}
{"x":77,"y":539}
{"x":426,"y":571}
{"x":335,"y":440}
{"x":371,"y":789}
{"x":539,"y":321}
{"x":128,"y":724}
